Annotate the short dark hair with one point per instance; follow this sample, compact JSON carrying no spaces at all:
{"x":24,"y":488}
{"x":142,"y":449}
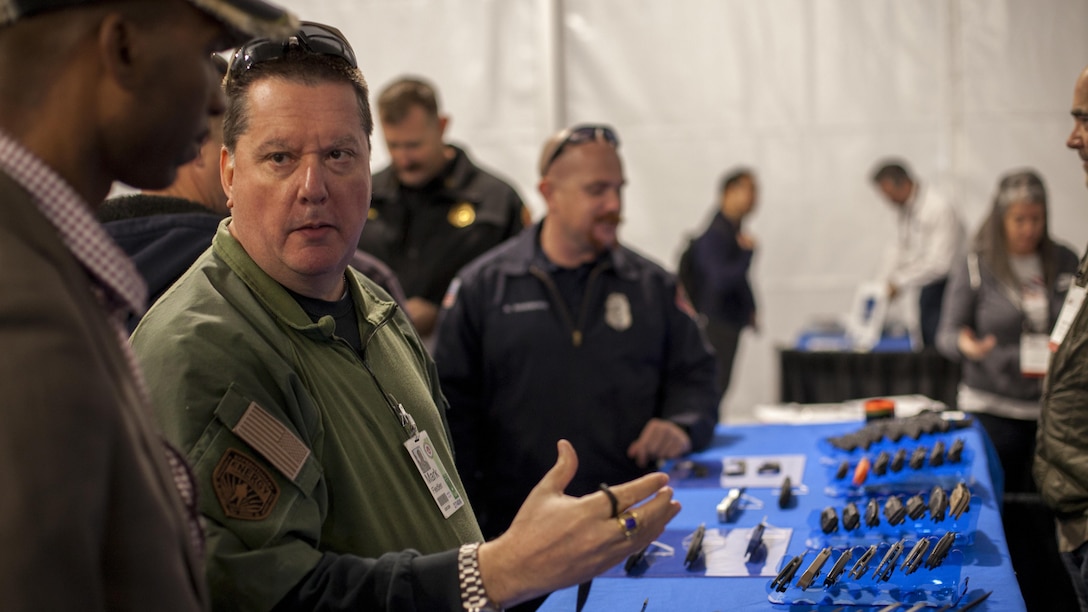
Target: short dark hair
{"x":892,"y":170}
{"x":732,"y":177}
{"x":400,"y":96}
{"x":296,"y":65}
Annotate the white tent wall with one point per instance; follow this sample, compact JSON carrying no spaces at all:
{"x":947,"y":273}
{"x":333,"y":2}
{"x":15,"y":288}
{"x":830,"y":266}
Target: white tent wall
{"x":809,"y":93}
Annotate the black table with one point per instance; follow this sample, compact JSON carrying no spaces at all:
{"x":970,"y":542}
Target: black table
{"x":815,"y":377}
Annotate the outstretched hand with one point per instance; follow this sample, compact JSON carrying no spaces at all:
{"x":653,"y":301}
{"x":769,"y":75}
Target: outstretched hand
{"x":972,"y":347}
{"x":557,"y":540}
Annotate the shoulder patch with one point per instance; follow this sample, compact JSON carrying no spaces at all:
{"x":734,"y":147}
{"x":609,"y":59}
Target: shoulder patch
{"x":281,"y":447}
{"x":450,"y":298}
{"x":245,"y":490}
{"x":683,"y":302}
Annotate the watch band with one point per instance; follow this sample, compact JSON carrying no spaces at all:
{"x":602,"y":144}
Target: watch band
{"x":473,"y":595}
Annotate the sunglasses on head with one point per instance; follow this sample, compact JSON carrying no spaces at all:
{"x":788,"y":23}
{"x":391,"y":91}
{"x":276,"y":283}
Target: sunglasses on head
{"x":312,"y":37}
{"x":581,"y":134}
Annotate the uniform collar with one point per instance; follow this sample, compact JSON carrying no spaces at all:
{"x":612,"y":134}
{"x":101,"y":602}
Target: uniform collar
{"x":725,"y":223}
{"x":526,"y":253}
{"x":280,"y":304}
{"x":455,"y":181}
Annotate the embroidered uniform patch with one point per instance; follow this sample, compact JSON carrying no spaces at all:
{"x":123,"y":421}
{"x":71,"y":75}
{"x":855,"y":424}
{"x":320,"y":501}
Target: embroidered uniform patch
{"x":282,"y":448}
{"x":244,"y":489}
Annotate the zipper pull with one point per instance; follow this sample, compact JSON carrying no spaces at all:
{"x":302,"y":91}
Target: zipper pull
{"x":576,"y":337}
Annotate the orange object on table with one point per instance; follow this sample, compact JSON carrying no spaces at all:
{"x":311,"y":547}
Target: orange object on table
{"x":879,"y":408}
{"x":861,"y":472}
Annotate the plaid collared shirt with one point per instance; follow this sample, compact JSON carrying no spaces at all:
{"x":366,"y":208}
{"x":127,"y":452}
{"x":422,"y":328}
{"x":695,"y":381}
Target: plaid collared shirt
{"x":115,"y":281}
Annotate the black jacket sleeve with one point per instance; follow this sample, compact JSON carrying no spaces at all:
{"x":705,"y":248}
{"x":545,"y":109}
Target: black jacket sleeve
{"x":404,"y":582}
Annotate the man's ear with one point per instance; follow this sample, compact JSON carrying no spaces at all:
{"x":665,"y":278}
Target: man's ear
{"x":226,"y":175}
{"x":120,"y":45}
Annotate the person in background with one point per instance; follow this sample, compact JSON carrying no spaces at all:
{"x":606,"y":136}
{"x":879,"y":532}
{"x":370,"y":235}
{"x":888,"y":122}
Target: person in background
{"x":1061,"y":445}
{"x":433,"y":209}
{"x":96,"y":512}
{"x":564,"y":332}
{"x":714,"y":271}
{"x":928,"y":238}
{"x":306,"y":401}
{"x":999,"y":307}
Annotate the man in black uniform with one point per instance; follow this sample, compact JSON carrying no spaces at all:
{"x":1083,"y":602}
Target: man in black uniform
{"x":433,"y":210}
{"x":564,"y":333}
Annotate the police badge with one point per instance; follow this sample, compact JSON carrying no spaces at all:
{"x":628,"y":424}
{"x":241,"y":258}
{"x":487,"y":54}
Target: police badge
{"x":617,"y":311}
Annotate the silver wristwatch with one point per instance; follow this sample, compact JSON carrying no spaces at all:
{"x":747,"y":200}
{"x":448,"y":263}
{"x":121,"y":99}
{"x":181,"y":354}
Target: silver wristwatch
{"x":473,"y":595}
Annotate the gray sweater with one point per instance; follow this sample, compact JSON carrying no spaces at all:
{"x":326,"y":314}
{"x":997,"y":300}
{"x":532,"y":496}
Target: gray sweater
{"x":987,"y":310}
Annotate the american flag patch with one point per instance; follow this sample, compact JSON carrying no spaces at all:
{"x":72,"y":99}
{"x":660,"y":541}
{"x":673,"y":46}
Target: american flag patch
{"x":271,"y":438}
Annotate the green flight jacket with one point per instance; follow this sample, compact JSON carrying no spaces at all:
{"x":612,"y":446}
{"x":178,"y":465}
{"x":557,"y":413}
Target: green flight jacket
{"x":329,"y":473}
{"x":1061,"y":443}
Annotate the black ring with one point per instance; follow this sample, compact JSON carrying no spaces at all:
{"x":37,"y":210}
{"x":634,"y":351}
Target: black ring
{"x":612,"y":498}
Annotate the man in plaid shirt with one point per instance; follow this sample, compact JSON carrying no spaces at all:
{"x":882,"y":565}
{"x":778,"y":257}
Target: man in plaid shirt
{"x":95,"y":511}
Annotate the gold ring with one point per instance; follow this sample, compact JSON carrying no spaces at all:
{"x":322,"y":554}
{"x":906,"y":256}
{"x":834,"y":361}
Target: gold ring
{"x":628,"y":523}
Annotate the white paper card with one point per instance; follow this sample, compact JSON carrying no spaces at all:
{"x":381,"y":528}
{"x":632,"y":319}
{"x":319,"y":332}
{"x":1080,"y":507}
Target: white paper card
{"x":1034,"y":355}
{"x":759,"y":473}
{"x":725,"y":551}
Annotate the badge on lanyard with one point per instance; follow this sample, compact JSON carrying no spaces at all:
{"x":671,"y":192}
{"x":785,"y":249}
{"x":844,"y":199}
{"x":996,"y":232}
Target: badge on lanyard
{"x":1034,"y":355}
{"x":434,"y":474}
{"x":1074,"y":300}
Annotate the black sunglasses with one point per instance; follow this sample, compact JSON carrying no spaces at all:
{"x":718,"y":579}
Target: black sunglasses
{"x":581,"y":134}
{"x":312,"y":37}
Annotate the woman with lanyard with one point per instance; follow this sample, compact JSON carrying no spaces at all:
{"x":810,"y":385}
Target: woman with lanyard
{"x":1001,"y":303}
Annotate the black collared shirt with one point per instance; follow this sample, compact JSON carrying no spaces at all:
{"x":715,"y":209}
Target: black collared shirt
{"x":426,"y":235}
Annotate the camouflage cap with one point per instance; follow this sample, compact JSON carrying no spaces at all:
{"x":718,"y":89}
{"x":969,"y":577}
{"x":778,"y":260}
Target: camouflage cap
{"x":245,"y":18}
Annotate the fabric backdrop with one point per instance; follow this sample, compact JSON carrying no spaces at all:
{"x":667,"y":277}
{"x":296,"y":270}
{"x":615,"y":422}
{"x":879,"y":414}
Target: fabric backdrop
{"x":809,"y":93}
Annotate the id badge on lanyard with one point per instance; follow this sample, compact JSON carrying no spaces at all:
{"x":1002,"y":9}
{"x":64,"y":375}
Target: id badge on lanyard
{"x":1034,"y":355}
{"x":1074,"y":301}
{"x":426,"y":459}
{"x":434,"y":474}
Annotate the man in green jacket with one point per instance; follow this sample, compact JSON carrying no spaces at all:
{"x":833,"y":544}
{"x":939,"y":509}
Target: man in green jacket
{"x":1061,"y":446}
{"x":305,"y":401}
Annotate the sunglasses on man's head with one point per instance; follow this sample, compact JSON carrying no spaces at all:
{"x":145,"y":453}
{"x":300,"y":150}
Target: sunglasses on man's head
{"x":312,"y":37}
{"x":579,"y":135}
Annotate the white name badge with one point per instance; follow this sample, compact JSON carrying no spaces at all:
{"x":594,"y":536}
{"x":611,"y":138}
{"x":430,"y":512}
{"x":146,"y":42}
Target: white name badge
{"x":434,"y":474}
{"x":1034,"y":355}
{"x":1074,"y":300}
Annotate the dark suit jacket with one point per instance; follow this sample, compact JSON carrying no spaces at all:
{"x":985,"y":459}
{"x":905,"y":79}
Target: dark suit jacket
{"x":89,"y":515}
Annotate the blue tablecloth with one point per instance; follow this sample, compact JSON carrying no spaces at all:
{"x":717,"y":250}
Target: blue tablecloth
{"x":824,"y":341}
{"x":986,"y":562}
